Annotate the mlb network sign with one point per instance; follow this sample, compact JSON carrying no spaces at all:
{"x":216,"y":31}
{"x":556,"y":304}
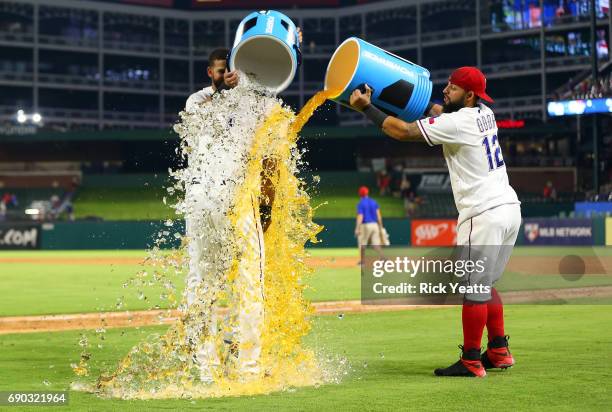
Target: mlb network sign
{"x":558,"y":232}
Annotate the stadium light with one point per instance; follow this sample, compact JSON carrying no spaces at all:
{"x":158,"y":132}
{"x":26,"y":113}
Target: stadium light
{"x":23,"y":117}
{"x":579,"y":107}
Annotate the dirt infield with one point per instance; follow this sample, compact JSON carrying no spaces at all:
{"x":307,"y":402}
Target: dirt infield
{"x":52,"y":323}
{"x":520,"y":264}
{"x":328,"y":262}
{"x":49,"y":323}
{"x":538,"y":265}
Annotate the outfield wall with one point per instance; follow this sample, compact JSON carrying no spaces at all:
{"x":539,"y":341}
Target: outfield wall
{"x":337,"y":233}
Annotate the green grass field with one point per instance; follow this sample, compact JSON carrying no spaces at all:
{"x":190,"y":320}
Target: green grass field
{"x":563,"y":364}
{"x":562,"y":351}
{"x":73,"y":288}
{"x":140,"y":203}
{"x":147,"y":203}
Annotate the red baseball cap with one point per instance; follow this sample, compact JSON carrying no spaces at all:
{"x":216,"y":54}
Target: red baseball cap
{"x":471,"y":79}
{"x":363,"y":191}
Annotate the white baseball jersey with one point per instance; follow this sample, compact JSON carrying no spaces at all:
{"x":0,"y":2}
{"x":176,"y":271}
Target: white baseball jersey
{"x":246,"y":297}
{"x":198,"y":97}
{"x":475,"y":163}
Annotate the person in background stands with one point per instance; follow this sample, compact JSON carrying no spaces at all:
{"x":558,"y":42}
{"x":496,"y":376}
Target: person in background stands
{"x":409,"y":196}
{"x":383,"y":180}
{"x":549,"y":192}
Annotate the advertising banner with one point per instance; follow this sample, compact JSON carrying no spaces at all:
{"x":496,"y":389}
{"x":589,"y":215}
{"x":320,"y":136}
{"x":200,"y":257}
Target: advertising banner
{"x":589,"y":209}
{"x":19,"y":236}
{"x":434,"y":232}
{"x":558,"y":232}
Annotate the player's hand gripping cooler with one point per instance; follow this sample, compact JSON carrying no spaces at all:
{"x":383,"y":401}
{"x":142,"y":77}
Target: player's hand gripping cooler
{"x":267,"y":46}
{"x":399,"y":87}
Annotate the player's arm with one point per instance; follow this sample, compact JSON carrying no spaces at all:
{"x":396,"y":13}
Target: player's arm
{"x":391,"y":126}
{"x":401,"y":130}
{"x":230,"y":80}
{"x":358,"y":223}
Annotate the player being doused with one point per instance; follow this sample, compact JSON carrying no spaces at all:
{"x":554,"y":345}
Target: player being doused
{"x":231,"y":343}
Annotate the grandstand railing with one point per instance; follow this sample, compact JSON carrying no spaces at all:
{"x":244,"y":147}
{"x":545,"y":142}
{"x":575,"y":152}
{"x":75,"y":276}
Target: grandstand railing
{"x":397,"y":42}
{"x":113,"y":44}
{"x":178,"y":87}
{"x":462,"y":34}
{"x":568,"y":22}
{"x":16,"y":76}
{"x":406,"y":41}
{"x":67,"y":41}
{"x":66,"y":113}
{"x":91,"y":117}
{"x":67,"y":79}
{"x":132,"y":116}
{"x":520,"y":67}
{"x":320,"y":49}
{"x":9,"y":36}
{"x":518,"y":102}
{"x":566,"y":61}
{"x":152,"y":85}
{"x":176,"y":50}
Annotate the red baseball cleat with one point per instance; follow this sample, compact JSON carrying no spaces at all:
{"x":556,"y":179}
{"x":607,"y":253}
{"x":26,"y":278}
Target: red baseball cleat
{"x":497,"y":354}
{"x":468,"y":365}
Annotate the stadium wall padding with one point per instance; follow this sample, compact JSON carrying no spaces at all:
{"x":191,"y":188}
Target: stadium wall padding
{"x":125,"y":180}
{"x":143,"y":234}
{"x":341,"y":232}
{"x":599,"y":231}
{"x":331,"y":179}
{"x":543,"y":209}
{"x":108,"y":235}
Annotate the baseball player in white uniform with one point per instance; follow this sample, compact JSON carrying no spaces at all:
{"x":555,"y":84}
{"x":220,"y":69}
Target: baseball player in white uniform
{"x":489,"y":209}
{"x":246,"y":293}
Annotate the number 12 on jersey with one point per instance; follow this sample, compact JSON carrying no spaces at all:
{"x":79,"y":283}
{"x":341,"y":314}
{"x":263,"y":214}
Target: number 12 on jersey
{"x":494,"y":155}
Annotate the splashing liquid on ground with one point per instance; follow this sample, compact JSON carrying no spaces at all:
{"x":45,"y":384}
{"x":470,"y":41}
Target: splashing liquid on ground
{"x":243,"y":138}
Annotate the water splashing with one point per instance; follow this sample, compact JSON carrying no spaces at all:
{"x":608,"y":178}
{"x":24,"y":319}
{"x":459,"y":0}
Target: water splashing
{"x":243,"y":138}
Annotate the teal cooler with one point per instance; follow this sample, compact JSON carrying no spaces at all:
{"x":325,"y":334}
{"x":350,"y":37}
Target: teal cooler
{"x":267,"y":46}
{"x":400,"y":87}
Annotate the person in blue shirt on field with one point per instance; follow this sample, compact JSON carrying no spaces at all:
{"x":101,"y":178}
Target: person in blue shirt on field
{"x":368,"y":227}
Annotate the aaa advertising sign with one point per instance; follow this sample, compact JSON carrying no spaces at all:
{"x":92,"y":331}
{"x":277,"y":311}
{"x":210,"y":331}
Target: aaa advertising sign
{"x":434,"y":232}
{"x":15,"y":236}
{"x":558,"y":232}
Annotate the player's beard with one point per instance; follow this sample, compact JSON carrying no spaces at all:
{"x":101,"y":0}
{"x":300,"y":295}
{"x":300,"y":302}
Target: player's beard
{"x":451,"y":107}
{"x":218,"y":83}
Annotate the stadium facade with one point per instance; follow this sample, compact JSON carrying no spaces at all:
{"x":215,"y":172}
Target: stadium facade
{"x":83,"y":64}
{"x":111,"y":68}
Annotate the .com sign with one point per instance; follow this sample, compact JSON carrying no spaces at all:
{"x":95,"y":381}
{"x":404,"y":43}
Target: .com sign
{"x":434,"y":232}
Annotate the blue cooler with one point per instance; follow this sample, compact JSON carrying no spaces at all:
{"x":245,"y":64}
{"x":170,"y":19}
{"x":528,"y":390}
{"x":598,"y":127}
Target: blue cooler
{"x":267,"y":46}
{"x":400,"y":87}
